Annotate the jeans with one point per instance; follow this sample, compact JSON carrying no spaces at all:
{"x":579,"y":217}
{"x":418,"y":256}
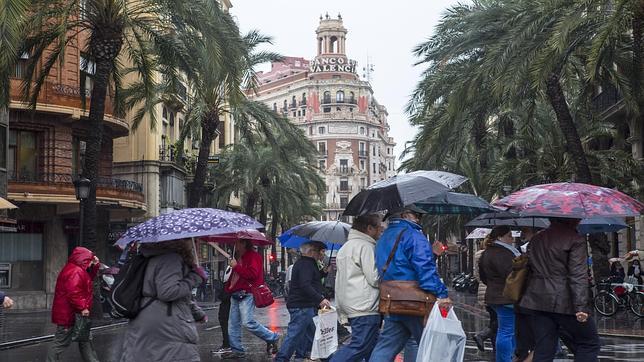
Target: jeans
{"x":242,"y":312}
{"x":584,"y":336}
{"x":299,"y":334}
{"x":505,"y":341}
{"x":394,"y":337}
{"x":62,"y":340}
{"x":364,"y":335}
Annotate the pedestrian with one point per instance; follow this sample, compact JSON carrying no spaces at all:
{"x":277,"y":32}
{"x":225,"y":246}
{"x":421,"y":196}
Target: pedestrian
{"x":412,"y":260}
{"x":305,"y":297}
{"x":356,"y":288}
{"x":222,"y":316}
{"x":494,"y":267}
{"x":247,"y":272}
{"x":165,"y":330}
{"x":617,"y":272}
{"x":73,"y":295}
{"x":5,"y":301}
{"x":523,"y":321}
{"x":490,"y":331}
{"x":557,"y":292}
{"x":635,"y":271}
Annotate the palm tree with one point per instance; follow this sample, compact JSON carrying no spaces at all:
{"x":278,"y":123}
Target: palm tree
{"x":219,"y":90}
{"x":119,"y":36}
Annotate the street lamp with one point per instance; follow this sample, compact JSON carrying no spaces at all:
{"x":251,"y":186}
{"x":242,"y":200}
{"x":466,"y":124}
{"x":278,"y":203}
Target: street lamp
{"x":81,"y":186}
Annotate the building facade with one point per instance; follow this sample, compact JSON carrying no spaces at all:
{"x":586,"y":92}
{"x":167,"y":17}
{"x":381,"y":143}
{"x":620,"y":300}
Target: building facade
{"x":44,"y":154}
{"x":337,"y":111}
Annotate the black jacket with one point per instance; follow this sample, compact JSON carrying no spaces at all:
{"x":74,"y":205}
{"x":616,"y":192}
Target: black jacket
{"x":494,"y":266}
{"x":305,"y":289}
{"x":558,"y":279}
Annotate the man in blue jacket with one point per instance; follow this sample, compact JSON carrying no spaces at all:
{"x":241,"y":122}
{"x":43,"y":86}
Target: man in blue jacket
{"x":413,"y":260}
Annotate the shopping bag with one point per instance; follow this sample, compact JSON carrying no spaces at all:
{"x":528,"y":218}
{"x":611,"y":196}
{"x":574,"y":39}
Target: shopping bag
{"x":325,"y":341}
{"x":443,"y":338}
{"x":81,"y":329}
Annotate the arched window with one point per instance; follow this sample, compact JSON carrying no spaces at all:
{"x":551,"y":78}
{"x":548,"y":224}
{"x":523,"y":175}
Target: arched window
{"x":352,"y":97}
{"x":303,"y":98}
{"x":333,"y":45}
{"x":327,"y":97}
{"x":165,"y":113}
{"x":285,"y":104}
{"x":339,"y":96}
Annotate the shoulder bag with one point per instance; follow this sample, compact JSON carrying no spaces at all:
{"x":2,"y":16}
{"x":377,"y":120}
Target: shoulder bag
{"x":515,"y":282}
{"x":403,"y":297}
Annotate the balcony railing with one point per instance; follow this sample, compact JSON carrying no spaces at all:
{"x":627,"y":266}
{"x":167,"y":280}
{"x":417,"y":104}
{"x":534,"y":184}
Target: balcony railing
{"x":326,"y":100}
{"x":345,"y":170}
{"x":303,"y":102}
{"x":363,"y":153}
{"x":293,"y":105}
{"x":56,"y":178}
{"x":607,"y":99}
{"x":346,"y":189}
{"x":169,"y":154}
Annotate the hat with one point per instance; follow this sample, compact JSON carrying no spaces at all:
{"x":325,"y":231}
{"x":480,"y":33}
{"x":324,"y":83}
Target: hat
{"x":317,"y":244}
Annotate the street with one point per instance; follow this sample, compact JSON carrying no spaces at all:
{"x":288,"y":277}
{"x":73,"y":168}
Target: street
{"x":108,"y":340}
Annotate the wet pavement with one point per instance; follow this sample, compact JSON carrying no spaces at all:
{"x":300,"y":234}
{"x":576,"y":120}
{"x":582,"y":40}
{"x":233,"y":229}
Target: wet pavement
{"x":108,"y":339}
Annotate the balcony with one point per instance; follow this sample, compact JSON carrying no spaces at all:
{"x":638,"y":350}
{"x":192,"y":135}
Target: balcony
{"x":59,"y":188}
{"x":292,"y":105}
{"x":352,"y":101}
{"x":326,"y":100}
{"x":607,"y":102}
{"x":169,"y":154}
{"x":303,"y":102}
{"x":344,"y":190}
{"x":345,"y":170}
{"x":363,"y":154}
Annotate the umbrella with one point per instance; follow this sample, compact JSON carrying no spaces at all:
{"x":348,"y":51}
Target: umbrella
{"x":4,"y":204}
{"x":601,"y":225}
{"x":570,"y":200}
{"x":292,"y":241}
{"x":256,"y":237}
{"x":188,"y":223}
{"x":332,"y":233}
{"x":396,"y":192}
{"x":481,"y":233}
{"x":493,"y":219}
{"x":454,"y":203}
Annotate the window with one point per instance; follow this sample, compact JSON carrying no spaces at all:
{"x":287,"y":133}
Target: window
{"x":373,"y":134}
{"x":344,"y":165}
{"x":21,"y":65}
{"x":310,"y":130}
{"x":322,"y":148}
{"x":87,"y":71}
{"x":22,"y":160}
{"x":362,"y":131}
{"x":303,"y":112}
{"x":320,"y":130}
{"x":221,"y":131}
{"x":285,"y":105}
{"x":389,"y":166}
{"x":321,"y":164}
{"x":374,"y":150}
{"x":363,"y":182}
{"x":352,"y":98}
{"x":362,"y":147}
{"x":362,"y":164}
{"x":275,"y":106}
{"x":339,"y":96}
{"x":294,"y":114}
{"x":326,"y":98}
{"x":327,"y":109}
{"x":374,"y":167}
{"x":344,"y":201}
{"x":338,"y":109}
{"x":344,"y":184}
{"x":388,"y":150}
{"x":3,"y":147}
{"x":78,"y":155}
{"x":299,"y":113}
{"x":303,"y":98}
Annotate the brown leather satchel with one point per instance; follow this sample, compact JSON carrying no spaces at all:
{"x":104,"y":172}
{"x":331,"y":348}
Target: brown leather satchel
{"x":403,"y":296}
{"x":515,"y":282}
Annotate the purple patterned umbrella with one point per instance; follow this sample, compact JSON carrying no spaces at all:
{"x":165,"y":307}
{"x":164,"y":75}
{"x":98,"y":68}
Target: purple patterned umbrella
{"x":188,"y":223}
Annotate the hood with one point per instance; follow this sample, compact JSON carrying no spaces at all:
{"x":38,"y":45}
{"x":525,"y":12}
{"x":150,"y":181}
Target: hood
{"x":356,"y":234}
{"x":81,"y":257}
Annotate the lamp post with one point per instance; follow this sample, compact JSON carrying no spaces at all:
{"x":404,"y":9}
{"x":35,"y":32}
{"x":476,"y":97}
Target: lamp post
{"x":81,"y":186}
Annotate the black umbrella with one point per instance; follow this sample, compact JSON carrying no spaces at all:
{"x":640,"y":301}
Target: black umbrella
{"x":492,"y":219}
{"x":396,"y":192}
{"x":454,"y":203}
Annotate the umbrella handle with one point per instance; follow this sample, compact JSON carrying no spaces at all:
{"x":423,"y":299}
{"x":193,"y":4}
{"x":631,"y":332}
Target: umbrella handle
{"x":194,"y":250}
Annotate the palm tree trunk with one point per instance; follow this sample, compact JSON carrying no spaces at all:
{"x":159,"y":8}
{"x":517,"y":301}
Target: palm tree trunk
{"x":251,"y":201}
{"x":93,"y":149}
{"x":208,"y":129}
{"x":275,"y":219}
{"x":557,"y":100}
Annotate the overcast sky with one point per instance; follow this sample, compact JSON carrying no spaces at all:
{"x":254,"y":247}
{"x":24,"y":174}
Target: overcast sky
{"x":384,"y":31}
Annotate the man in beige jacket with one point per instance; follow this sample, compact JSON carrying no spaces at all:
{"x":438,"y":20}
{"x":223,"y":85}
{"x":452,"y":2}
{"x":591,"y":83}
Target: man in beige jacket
{"x":356,"y":288}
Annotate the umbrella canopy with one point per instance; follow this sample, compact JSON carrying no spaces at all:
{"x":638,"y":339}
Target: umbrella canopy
{"x":4,"y":204}
{"x":396,"y":192}
{"x":492,"y":219}
{"x":454,"y":203}
{"x":256,"y":237}
{"x":481,"y":233}
{"x":570,"y":200}
{"x":601,"y":225}
{"x":292,"y":241}
{"x":188,"y":223}
{"x":333,"y":233}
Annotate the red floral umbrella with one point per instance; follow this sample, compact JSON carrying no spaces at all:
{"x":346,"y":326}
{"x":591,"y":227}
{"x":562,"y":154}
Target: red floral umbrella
{"x":256,"y":237}
{"x":571,"y":200}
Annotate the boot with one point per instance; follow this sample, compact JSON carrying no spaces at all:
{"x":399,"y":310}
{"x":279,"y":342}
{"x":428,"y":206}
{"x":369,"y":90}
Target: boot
{"x":480,"y":338}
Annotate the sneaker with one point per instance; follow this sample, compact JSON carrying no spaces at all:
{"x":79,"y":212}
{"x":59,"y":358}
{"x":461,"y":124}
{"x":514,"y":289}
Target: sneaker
{"x":221,"y":350}
{"x":233,"y":355}
{"x":272,"y":347}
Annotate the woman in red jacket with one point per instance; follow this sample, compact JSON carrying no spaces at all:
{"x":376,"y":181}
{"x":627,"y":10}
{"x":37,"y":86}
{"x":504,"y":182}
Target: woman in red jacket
{"x":73,"y":295}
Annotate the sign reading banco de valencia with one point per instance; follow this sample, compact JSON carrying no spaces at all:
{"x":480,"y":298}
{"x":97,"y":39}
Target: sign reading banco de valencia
{"x":333,"y":64}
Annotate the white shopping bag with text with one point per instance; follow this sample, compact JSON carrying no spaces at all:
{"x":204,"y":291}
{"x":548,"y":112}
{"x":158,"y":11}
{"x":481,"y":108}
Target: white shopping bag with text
{"x":443,"y":338}
{"x":325,"y":341}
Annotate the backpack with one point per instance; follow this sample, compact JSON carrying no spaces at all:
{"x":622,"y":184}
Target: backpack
{"x":127,"y":292}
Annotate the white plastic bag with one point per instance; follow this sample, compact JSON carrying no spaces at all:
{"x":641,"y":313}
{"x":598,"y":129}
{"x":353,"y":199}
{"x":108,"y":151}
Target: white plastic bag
{"x":325,"y":341}
{"x":443,"y":338}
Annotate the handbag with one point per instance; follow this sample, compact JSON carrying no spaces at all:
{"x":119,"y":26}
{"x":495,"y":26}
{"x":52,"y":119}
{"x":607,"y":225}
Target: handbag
{"x":81,"y":329}
{"x":262,"y":295}
{"x":515,"y":282}
{"x":403,"y":296}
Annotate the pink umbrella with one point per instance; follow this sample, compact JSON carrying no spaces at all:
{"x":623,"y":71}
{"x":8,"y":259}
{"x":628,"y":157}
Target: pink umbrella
{"x":572,"y":200}
{"x":253,"y":235}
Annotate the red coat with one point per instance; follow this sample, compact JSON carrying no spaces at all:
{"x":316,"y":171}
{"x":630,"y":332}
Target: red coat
{"x":73,"y":287}
{"x":248,"y":271}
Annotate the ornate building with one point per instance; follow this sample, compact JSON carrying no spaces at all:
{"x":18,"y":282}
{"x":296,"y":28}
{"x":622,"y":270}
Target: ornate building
{"x":338,"y":113}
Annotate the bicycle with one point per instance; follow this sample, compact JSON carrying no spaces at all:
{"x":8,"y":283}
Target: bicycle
{"x":613,"y":296}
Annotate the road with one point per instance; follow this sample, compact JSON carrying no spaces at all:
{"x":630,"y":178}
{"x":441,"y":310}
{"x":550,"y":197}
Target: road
{"x":108,"y":341}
